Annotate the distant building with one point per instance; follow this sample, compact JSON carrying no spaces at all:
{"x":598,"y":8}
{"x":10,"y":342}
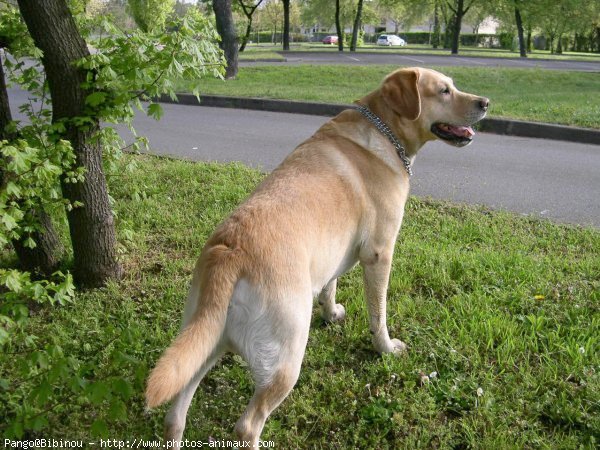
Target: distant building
{"x":488,"y":26}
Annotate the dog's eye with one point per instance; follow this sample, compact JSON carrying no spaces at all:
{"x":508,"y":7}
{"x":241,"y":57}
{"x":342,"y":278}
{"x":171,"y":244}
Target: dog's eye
{"x":445,"y":90}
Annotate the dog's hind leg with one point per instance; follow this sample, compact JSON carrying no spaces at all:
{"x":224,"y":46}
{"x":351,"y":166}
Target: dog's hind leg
{"x":175,"y":418}
{"x":275,"y":353}
{"x":265,"y":399}
{"x":330,"y":310}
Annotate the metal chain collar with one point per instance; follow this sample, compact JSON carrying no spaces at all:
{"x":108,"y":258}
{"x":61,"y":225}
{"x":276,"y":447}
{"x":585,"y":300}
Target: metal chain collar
{"x":385,"y":130}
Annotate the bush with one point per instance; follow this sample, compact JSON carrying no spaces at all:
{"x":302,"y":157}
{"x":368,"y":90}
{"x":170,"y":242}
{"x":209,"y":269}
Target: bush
{"x":360,"y":41}
{"x":421,"y":37}
{"x":507,"y":41}
{"x":479,"y":40}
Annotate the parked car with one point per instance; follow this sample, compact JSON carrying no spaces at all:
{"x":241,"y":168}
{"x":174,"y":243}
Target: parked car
{"x":333,"y":39}
{"x":390,"y":39}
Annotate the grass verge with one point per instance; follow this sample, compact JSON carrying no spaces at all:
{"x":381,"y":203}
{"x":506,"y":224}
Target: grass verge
{"x":568,"y":98}
{"x":257,"y":54}
{"x":499,"y":311}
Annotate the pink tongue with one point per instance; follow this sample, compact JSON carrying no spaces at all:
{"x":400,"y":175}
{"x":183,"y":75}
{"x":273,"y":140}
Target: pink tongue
{"x":462,"y":131}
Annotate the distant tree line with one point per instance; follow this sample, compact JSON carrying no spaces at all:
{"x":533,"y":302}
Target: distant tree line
{"x":555,"y":25}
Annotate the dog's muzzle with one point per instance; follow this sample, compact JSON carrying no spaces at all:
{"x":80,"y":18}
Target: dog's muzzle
{"x":461,"y":135}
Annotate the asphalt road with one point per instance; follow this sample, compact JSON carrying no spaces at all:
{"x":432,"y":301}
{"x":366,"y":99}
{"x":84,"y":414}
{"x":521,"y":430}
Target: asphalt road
{"x":360,"y":58}
{"x":552,"y":179}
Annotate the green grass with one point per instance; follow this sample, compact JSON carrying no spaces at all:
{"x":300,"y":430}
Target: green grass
{"x":493,"y":302}
{"x":257,"y":54}
{"x":569,"y":98}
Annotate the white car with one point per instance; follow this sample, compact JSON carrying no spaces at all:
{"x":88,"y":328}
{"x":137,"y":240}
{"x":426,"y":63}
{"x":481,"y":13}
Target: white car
{"x":390,"y":39}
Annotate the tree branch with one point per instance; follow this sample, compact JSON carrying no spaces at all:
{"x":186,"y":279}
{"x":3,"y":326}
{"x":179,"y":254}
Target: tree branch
{"x":451,"y":8}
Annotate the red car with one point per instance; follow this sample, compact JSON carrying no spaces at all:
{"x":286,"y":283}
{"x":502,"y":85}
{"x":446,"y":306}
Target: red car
{"x":330,"y":40}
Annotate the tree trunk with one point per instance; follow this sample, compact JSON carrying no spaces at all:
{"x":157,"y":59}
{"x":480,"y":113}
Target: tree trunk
{"x":559,"y":48}
{"x":286,"y":24}
{"x":448,"y":21}
{"x":247,"y":35}
{"x":529,"y":40}
{"x":522,"y":48}
{"x":435,"y":41}
{"x":226,"y":29}
{"x":46,"y":255}
{"x":356,"y":27}
{"x":5,"y":114}
{"x":457,"y":24}
{"x":338,"y":27}
{"x":91,"y":226}
{"x":248,"y":12}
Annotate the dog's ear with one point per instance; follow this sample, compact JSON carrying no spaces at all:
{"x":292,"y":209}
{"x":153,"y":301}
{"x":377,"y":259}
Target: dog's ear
{"x":401,"y":93}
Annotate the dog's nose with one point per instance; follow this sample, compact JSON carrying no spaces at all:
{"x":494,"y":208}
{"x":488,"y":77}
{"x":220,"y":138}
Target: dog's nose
{"x":484,"y":103}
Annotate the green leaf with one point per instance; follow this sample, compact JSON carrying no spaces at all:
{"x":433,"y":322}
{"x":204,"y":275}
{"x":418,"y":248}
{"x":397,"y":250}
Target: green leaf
{"x":4,"y":336}
{"x":17,"y":428}
{"x":39,"y":359}
{"x":95,"y":99}
{"x":9,"y":221}
{"x":155,"y":111}
{"x":123,"y":387}
{"x":13,"y":189}
{"x":117,"y":411}
{"x":12,"y":281}
{"x":29,"y":243}
{"x":98,"y":391}
{"x":43,"y":392}
{"x":99,"y":428}
{"x":39,"y":423}
{"x":39,"y":292}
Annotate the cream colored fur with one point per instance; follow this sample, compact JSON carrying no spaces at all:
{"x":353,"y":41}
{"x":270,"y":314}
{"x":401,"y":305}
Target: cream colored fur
{"x":338,"y":199}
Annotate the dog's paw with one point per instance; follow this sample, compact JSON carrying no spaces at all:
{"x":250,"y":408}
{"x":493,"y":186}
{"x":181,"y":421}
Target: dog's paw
{"x":336,"y":315}
{"x":395,"y":346}
{"x":398,"y":346}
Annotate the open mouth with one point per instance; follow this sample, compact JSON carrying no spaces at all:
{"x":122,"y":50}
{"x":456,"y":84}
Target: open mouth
{"x":456,"y":135}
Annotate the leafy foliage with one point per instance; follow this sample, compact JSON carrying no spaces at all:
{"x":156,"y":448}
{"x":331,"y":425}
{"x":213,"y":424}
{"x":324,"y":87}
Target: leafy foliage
{"x":31,"y":178}
{"x":150,"y":15}
{"x":147,"y":64}
{"x":123,"y":70}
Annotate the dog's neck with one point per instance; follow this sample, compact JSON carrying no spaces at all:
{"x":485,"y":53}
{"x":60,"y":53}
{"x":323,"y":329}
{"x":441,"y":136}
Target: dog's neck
{"x":399,"y":125}
{"x":387,"y":132}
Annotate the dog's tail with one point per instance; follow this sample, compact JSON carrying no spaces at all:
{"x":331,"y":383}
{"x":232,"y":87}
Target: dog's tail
{"x":216,"y":273}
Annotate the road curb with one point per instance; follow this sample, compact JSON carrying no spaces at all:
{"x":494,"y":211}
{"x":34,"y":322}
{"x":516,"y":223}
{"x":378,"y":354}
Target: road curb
{"x":540,"y":130}
{"x":496,"y":126}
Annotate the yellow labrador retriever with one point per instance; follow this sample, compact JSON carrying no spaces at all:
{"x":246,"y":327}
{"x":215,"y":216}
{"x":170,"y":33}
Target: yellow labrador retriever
{"x":337,"y":199}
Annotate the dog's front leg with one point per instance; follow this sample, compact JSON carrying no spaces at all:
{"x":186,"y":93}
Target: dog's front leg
{"x":376,"y":270}
{"x":330,"y":310}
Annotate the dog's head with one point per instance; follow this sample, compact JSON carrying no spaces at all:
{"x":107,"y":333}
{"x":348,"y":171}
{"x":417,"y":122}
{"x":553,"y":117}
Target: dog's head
{"x":430,"y":100}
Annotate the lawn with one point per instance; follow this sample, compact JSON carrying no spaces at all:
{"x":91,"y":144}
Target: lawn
{"x":500,"y":312}
{"x":569,"y":98}
{"x":258,"y":54}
